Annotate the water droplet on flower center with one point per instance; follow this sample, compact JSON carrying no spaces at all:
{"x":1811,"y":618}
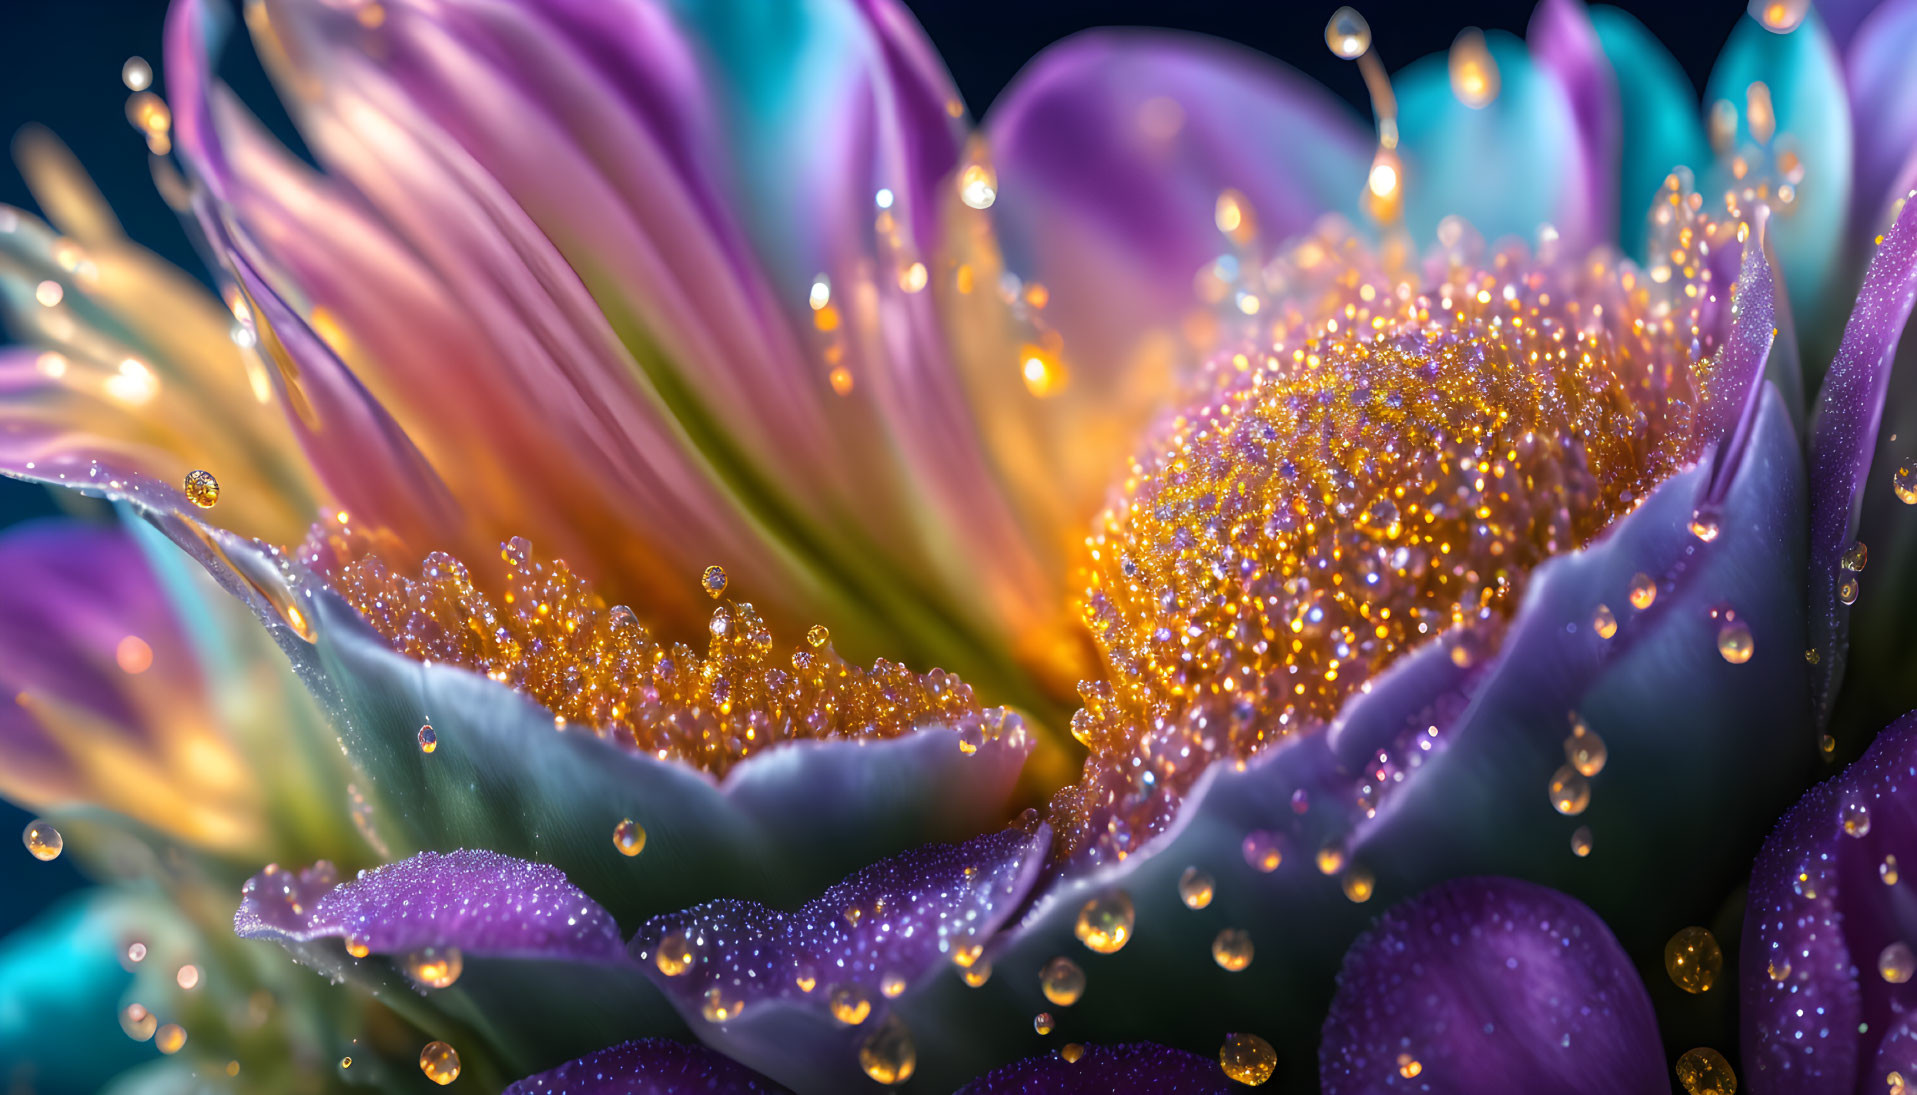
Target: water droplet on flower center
{"x":713,"y":581}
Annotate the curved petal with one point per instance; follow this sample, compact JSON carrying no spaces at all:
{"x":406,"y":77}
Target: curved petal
{"x":774,"y":989}
{"x":1566,"y":46}
{"x":1822,"y":995}
{"x":1883,"y":106}
{"x":1659,"y":125}
{"x":1442,"y":771}
{"x":1132,"y":1068}
{"x":1850,"y":405}
{"x":1478,"y":984}
{"x":650,"y":1066}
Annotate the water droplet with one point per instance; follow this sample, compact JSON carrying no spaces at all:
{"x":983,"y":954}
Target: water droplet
{"x":1734,"y":642}
{"x":1704,"y":1071}
{"x":1693,"y":959}
{"x":1330,"y":859}
{"x":1585,"y":750}
{"x":1780,"y":968}
{"x":135,"y":953}
{"x":435,"y":967}
{"x":978,"y":185}
{"x":1071,"y":1052}
{"x":1474,"y":74}
{"x":675,"y":954}
{"x":346,"y":1062}
{"x":1042,"y":1022}
{"x":817,"y":636}
{"x":806,"y":978}
{"x":201,"y":488}
{"x":1194,"y":888}
{"x":1887,"y":870}
{"x":1105,"y":922}
{"x":888,"y":1055}
{"x":1643,"y":591}
{"x":1062,"y":981}
{"x":1248,"y":1058}
{"x":43,"y":840}
{"x":1855,"y":817}
{"x":1904,"y":482}
{"x":1570,"y":791}
{"x":1232,"y":949}
{"x":428,"y":739}
{"x":976,"y":974}
{"x":1847,"y":589}
{"x":849,"y":1004}
{"x":1260,"y":849}
{"x":629,"y":837}
{"x":1895,"y":963}
{"x":440,"y":1063}
{"x":136,"y":74}
{"x":1779,"y":16}
{"x":1704,"y":525}
{"x":892,"y":984}
{"x":1604,"y":622}
{"x":971,"y":736}
{"x":138,"y":1022}
{"x":1409,"y":1067}
{"x":1358,"y":885}
{"x":721,"y":1006}
{"x":713,"y":581}
{"x":1855,"y":557}
{"x":1581,"y":841}
{"x":170,"y":1039}
{"x":1348,"y":35}
{"x":357,"y":947}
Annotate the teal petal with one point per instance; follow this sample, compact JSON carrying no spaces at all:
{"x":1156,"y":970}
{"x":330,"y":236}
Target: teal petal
{"x":1808,"y":98}
{"x":1508,"y":168}
{"x":60,"y":988}
{"x":1661,"y":128}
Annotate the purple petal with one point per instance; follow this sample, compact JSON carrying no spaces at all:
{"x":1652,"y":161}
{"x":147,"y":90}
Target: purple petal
{"x":650,"y":1066}
{"x":1131,"y":1068}
{"x":775,"y":974}
{"x":1844,"y":434}
{"x":1883,"y":102}
{"x":1491,"y":984}
{"x":1828,"y":895}
{"x":1729,"y":413}
{"x":1565,"y":46}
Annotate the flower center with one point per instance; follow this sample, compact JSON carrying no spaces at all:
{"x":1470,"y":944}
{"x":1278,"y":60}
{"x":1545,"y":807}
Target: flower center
{"x":593,"y":665}
{"x":1384,"y":469}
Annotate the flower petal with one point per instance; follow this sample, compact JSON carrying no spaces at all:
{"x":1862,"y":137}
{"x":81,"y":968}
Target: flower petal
{"x":1883,"y":105}
{"x":1850,"y":406}
{"x":1825,"y":901}
{"x":1482,"y":983}
{"x":1659,"y":125}
{"x":1566,"y":46}
{"x":762,"y":985}
{"x":650,"y":1066}
{"x":1132,"y":1068}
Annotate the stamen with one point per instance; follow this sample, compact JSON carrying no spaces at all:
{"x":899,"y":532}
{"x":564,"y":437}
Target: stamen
{"x":1474,"y":72}
{"x":1349,"y":36}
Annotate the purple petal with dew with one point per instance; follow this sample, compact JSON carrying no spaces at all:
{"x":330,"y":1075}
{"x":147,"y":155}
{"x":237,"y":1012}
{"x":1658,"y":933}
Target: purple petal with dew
{"x":1843,"y":435}
{"x":649,"y":1066}
{"x":1131,"y":1068}
{"x":1729,"y":411}
{"x":1565,"y":46}
{"x":761,"y":984}
{"x":1481,"y":984}
{"x":1829,"y":929}
{"x":1883,"y":104}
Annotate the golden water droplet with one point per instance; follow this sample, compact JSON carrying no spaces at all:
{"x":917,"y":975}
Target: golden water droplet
{"x":170,"y":1039}
{"x":817,"y":636}
{"x":1779,"y":16}
{"x":721,"y":1006}
{"x":1358,"y":885}
{"x":1261,"y":851}
{"x":713,"y":581}
{"x":1581,"y":841}
{"x":138,"y":1022}
{"x":1194,"y":888}
{"x":1734,"y":642}
{"x":888,"y":1055}
{"x":1903,"y":481}
{"x":892,"y":984}
{"x":201,"y":488}
{"x":675,"y":954}
{"x":1887,"y":870}
{"x":1330,"y":858}
{"x":850,"y":1004}
{"x":1855,"y":817}
{"x":1409,"y":1067}
{"x":1570,"y":791}
{"x":1347,"y":33}
{"x":357,"y":947}
{"x":135,"y":953}
{"x":966,"y":951}
{"x":1232,"y":949}
{"x":136,"y":74}
{"x":440,"y":1063}
{"x":1232,"y":214}
{"x":1704,"y":525}
{"x":346,"y":1062}
{"x":976,"y":974}
{"x":1855,"y":556}
{"x":806,"y":978}
{"x":1895,"y":963}
{"x":1585,"y":750}
{"x":1247,"y":1058}
{"x":435,"y":967}
{"x":1847,"y":589}
{"x":43,"y":840}
{"x":1105,"y":922}
{"x":1704,"y":1071}
{"x":1780,"y":968}
{"x":1894,"y":1083}
{"x":629,"y":837}
{"x":978,"y":185}
{"x":1604,"y":622}
{"x":1826,"y":745}
{"x":1044,"y":374}
{"x":1474,"y":73}
{"x":1062,"y":981}
{"x":428,"y":738}
{"x":1042,"y":1022}
{"x":187,"y":976}
{"x":1693,"y":959}
{"x":1071,"y":1051}
{"x":1643,"y":591}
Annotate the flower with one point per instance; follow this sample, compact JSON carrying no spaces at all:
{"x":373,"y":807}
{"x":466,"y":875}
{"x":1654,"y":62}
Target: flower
{"x":1433,"y":557}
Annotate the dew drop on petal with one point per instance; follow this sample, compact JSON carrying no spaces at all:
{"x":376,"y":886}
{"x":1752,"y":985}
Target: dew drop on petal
{"x":1779,"y":968}
{"x":428,"y":738}
{"x":629,"y":837}
{"x":357,"y":947}
{"x":1895,"y":963}
{"x":1105,"y":922}
{"x":1581,"y":841}
{"x":1734,"y":642}
{"x":1232,"y":949}
{"x":1194,"y":888}
{"x":346,"y":1062}
{"x":1247,"y":1058}
{"x":1903,"y":481}
{"x":1331,"y":858}
{"x":1855,"y":556}
{"x":721,"y":1005}
{"x":170,"y":1039}
{"x":675,"y":954}
{"x":1643,"y":591}
{"x":1847,"y":589}
{"x":138,"y":1022}
{"x":1604,"y":622}
{"x":713,"y":581}
{"x":1261,"y":851}
{"x":43,"y":840}
{"x":849,"y":1004}
{"x":201,"y":488}
{"x":1347,"y":33}
{"x":1887,"y":870}
{"x":1071,"y":1052}
{"x":1585,"y":749}
{"x":806,"y":978}
{"x":1062,"y":981}
{"x":817,"y":636}
{"x":1855,"y":817}
{"x":978,"y":185}
{"x":1409,"y":1067}
{"x":888,"y":1055}
{"x":1693,"y":959}
{"x":1570,"y":791}
{"x":1358,"y":885}
{"x":1042,"y":1022}
{"x":976,"y":974}
{"x":1704,"y":1071}
{"x":1704,"y":525}
{"x":440,"y":1063}
{"x":1779,"y":16}
{"x":892,"y":984}
{"x":435,"y":967}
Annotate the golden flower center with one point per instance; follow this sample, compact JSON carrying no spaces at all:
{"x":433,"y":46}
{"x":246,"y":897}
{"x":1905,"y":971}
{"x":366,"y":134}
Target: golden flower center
{"x":1386,"y":469}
